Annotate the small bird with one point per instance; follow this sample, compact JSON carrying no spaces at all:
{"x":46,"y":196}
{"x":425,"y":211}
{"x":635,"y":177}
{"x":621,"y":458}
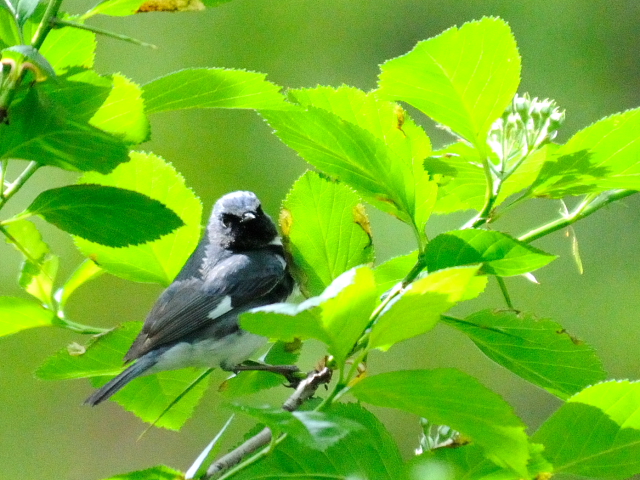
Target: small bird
{"x":238,"y":265}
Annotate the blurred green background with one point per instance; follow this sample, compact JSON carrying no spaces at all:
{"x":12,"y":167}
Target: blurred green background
{"x":584,"y":54}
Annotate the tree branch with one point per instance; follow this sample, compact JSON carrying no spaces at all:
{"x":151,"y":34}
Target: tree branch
{"x":305,"y":390}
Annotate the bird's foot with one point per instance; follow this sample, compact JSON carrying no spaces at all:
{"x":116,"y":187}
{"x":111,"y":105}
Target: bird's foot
{"x":290,"y":372}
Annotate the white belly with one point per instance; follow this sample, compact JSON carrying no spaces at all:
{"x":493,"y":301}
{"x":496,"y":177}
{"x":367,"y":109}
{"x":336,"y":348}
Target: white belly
{"x":226,"y":352}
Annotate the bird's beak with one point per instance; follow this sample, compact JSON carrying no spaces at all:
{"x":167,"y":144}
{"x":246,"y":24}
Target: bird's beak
{"x":248,"y":216}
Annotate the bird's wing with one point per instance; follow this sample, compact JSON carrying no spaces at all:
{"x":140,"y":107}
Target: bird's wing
{"x":234,"y":285}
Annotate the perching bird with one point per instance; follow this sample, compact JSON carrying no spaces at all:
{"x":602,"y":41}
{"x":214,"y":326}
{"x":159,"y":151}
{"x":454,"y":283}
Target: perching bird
{"x":238,"y":265}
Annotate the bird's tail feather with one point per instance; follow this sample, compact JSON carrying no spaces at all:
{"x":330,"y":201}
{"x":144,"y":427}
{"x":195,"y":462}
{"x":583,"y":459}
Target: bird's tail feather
{"x":112,"y":386}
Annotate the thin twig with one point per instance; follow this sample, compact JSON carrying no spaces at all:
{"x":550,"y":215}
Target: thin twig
{"x":305,"y":390}
{"x":58,"y":22}
{"x":26,"y":174}
{"x":505,"y":292}
{"x":45,"y":24}
{"x":582,"y":211}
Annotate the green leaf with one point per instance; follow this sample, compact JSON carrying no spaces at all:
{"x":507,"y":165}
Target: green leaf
{"x":111,"y":216}
{"x":337,"y":317}
{"x":315,"y":430}
{"x":450,"y":397}
{"x":370,"y":453}
{"x":9,"y":33}
{"x":88,"y":270}
{"x":603,"y":156}
{"x":468,"y":462}
{"x":596,"y":433}
{"x":463,"y":78}
{"x":363,"y":142}
{"x":325,"y":230}
{"x":24,"y":10}
{"x":540,"y":351}
{"x":418,"y":308}
{"x":37,"y":279}
{"x":122,"y":114}
{"x":23,"y":54}
{"x":211,"y":88}
{"x":159,"y":472}
{"x":115,"y":8}
{"x":499,"y":253}
{"x":38,"y":131}
{"x":69,"y":47}
{"x":80,"y":92}
{"x":102,"y":356}
{"x":394,"y":270}
{"x":18,"y":314}
{"x":113,"y":104}
{"x":161,"y":260}
{"x":28,"y":237}
{"x":458,"y":171}
{"x":253,"y":381}
{"x":39,"y":268}
{"x":148,"y":397}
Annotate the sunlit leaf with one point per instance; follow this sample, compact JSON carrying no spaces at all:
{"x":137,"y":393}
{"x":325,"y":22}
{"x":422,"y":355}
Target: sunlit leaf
{"x":102,"y":356}
{"x":499,"y":253}
{"x":316,"y":430}
{"x":148,"y":397}
{"x":122,"y":114}
{"x":18,"y":314}
{"x":211,"y":88}
{"x":604,"y":425}
{"x":9,"y":33}
{"x":38,"y":132}
{"x":540,"y":351}
{"x":418,"y":308}
{"x":450,"y":397}
{"x":80,"y":92}
{"x":370,"y":453}
{"x":325,"y":229}
{"x":458,"y":171}
{"x":469,"y":462}
{"x":389,"y":273}
{"x":463,"y":78}
{"x":69,"y":47}
{"x":39,"y":267}
{"x":87,"y":270}
{"x":337,"y":317}
{"x":154,"y":473}
{"x":161,"y":260}
{"x":603,"y":156}
{"x":115,"y":8}
{"x":361,"y":140}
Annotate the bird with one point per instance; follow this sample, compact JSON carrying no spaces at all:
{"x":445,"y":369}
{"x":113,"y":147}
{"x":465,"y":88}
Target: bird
{"x":238,"y":265}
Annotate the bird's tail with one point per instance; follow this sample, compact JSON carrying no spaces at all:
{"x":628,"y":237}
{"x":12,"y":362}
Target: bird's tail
{"x":112,"y":386}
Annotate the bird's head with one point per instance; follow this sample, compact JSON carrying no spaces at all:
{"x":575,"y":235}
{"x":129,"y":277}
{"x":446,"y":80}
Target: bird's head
{"x":238,"y":222}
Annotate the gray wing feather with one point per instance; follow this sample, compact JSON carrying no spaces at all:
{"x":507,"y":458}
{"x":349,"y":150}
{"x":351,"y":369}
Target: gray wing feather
{"x":183,"y":308}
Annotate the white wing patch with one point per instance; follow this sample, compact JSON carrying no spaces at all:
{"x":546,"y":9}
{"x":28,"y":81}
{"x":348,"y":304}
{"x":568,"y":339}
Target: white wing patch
{"x":276,"y":241}
{"x":223,"y":307}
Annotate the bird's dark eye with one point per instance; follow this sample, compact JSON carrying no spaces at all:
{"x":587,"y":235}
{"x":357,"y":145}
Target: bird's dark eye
{"x":228,"y":219}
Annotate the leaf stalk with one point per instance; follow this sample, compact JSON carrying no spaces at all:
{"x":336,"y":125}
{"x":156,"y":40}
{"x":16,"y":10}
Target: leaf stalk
{"x":586,"y":208}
